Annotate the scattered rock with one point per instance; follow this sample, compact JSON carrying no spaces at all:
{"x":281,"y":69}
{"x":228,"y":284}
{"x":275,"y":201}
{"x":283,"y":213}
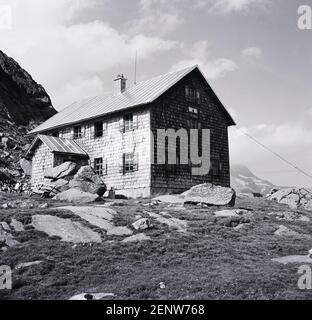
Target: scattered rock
{"x":176,"y":199}
{"x":210,"y":194}
{"x":119,"y":231}
{"x":60,"y":185}
{"x":5,"y":226}
{"x":137,"y":237}
{"x":142,"y":224}
{"x":174,"y":223}
{"x":88,"y":181}
{"x":241,"y":226}
{"x":76,"y":196}
{"x":290,"y":216}
{"x":17,"y":226}
{"x":67,"y":230}
{"x":162,"y":285}
{"x":43,"y":205}
{"x":6,"y":239}
{"x":285,"y":232}
{"x":97,"y":216}
{"x":27,"y":264}
{"x":26,"y":166}
{"x":293,"y":259}
{"x":231,"y":213}
{"x":91,"y":296}
{"x":295,"y":198}
{"x":61,"y":171}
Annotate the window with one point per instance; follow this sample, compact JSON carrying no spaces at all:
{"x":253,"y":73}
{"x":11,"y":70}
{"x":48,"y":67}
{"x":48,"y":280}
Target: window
{"x":215,"y":168}
{"x":128,"y":122}
{"x":98,"y":166}
{"x":77,"y":132}
{"x":193,"y":124}
{"x":130,"y":161}
{"x":98,"y":129}
{"x":193,"y":110}
{"x":192,"y":94}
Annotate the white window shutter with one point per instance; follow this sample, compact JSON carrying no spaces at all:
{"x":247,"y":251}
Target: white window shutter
{"x":136,"y":159}
{"x":135,"y":121}
{"x":122,"y":125}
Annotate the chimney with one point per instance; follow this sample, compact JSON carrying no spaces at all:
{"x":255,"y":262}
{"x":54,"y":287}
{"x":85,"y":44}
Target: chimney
{"x":120,"y":84}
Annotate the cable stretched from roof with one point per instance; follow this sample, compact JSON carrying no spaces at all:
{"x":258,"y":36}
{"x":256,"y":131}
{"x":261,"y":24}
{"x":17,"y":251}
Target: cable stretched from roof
{"x":273,"y":152}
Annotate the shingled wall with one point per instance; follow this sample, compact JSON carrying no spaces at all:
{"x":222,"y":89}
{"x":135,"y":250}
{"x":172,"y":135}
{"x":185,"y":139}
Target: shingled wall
{"x":113,"y":145}
{"x":171,"y":110}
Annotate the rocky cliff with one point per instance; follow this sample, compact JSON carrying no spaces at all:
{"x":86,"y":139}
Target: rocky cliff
{"x":23,"y":104}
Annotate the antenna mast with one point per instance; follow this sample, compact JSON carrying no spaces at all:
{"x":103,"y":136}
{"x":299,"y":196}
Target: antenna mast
{"x":135,"y":67}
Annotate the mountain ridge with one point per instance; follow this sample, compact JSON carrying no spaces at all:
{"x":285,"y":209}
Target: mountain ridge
{"x":244,"y":181}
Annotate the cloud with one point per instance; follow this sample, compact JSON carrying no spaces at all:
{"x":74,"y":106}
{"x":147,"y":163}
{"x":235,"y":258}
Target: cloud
{"x":200,"y":54}
{"x":228,"y":6}
{"x":157,"y":17}
{"x":252,"y":52}
{"x":291,"y":140}
{"x":69,"y":57}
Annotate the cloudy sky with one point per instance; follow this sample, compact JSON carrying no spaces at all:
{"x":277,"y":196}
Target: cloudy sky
{"x":256,"y":59}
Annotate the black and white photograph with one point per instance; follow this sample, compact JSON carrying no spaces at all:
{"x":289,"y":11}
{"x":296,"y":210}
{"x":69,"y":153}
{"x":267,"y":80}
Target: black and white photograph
{"x":155,"y":150}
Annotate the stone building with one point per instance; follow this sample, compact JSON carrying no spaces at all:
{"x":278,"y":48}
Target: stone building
{"x":117,"y":134}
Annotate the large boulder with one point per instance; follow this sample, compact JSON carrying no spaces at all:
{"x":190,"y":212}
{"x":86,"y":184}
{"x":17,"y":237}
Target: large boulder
{"x":142,"y":224}
{"x":66,"y":229}
{"x":26,"y":166}
{"x":88,"y":181}
{"x":211,"y":195}
{"x":295,"y":198}
{"x":74,"y":195}
{"x":61,"y":171}
{"x":60,"y":185}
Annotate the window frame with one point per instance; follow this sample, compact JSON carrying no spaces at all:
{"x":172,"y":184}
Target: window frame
{"x":96,"y":131}
{"x":192,"y":94}
{"x":215,"y":167}
{"x":99,"y":171}
{"x":130,"y":162}
{"x":128,"y":122}
{"x":79,"y":135}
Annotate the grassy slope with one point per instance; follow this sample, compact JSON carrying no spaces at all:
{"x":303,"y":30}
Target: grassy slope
{"x":211,"y":261}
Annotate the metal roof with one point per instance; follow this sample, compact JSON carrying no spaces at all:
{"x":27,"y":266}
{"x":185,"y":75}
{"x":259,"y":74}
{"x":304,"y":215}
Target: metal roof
{"x":58,"y":145}
{"x":140,"y":94}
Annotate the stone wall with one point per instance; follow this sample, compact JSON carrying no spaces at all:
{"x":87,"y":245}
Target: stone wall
{"x":42,"y":159}
{"x":172,"y":111}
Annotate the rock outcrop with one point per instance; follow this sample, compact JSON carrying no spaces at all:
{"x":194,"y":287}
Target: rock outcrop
{"x":211,"y":195}
{"x":24,"y":104}
{"x":74,"y":195}
{"x":61,"y":171}
{"x":22,"y":100}
{"x":295,"y":198}
{"x":88,"y":181}
{"x":67,"y":230}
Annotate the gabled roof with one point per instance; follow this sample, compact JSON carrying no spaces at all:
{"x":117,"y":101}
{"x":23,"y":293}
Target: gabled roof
{"x":57,"y":145}
{"x":142,"y":93}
